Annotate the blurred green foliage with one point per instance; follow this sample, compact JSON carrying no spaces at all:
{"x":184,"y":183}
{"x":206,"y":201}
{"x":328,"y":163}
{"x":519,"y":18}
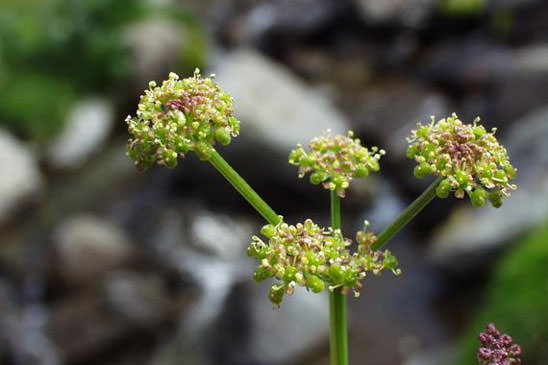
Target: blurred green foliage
{"x":517,"y":301}
{"x":462,"y":7}
{"x":53,"y":51}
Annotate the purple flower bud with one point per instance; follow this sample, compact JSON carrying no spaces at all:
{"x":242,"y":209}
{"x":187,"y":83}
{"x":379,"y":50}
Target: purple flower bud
{"x":497,"y":348}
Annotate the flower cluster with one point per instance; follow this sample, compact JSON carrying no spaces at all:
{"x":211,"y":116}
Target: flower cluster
{"x":180,"y":116}
{"x":315,"y":258}
{"x":335,"y":161}
{"x":466,"y":157}
{"x":497,"y":348}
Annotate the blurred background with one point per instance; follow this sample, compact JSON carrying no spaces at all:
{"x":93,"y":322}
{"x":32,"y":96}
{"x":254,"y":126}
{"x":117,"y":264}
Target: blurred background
{"x":101,"y":264}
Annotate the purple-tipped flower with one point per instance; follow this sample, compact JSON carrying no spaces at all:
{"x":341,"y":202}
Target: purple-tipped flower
{"x":497,"y":348}
{"x":335,"y":161}
{"x":179,"y":116}
{"x":316,"y":258}
{"x":469,"y":160}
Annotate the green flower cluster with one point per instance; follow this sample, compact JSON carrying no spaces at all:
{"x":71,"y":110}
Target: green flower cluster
{"x":179,"y":116}
{"x":467,"y":158}
{"x":314,"y":257}
{"x":335,"y":161}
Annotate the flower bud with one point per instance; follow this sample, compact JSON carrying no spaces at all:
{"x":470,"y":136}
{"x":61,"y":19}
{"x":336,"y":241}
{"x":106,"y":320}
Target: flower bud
{"x":443,"y":189}
{"x":261,"y":274}
{"x":477,"y":197}
{"x":222,"y":135}
{"x":268,"y":231}
{"x":314,"y":283}
{"x":276,"y":294}
{"x":495,"y":198}
{"x":422,"y":170}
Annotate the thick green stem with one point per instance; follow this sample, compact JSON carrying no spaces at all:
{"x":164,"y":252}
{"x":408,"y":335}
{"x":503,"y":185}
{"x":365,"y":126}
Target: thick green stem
{"x":243,"y":188}
{"x":338,"y":336}
{"x":407,"y":215}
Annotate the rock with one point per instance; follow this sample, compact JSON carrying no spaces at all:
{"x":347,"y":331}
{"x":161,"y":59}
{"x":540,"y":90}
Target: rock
{"x":472,"y":231}
{"x":532,"y":59}
{"x":21,"y":177}
{"x":521,"y":87}
{"x":86,"y":130}
{"x":129,"y":306}
{"x":465,"y":64}
{"x":223,"y":236}
{"x":388,"y":111}
{"x":88,"y":247}
{"x":405,"y":12}
{"x":284,"y":335}
{"x":197,"y":253}
{"x":24,"y":331}
{"x":277,"y":110}
{"x":155,"y":45}
{"x":142,"y":299}
{"x":290,"y":17}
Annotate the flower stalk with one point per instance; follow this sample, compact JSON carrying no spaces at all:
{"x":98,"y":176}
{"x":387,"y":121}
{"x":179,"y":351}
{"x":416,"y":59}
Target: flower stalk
{"x":407,"y":215}
{"x":217,"y":161}
{"x":338,"y":334}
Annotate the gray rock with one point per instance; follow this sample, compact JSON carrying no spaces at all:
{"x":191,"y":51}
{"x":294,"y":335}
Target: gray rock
{"x":222,"y":235}
{"x":406,"y":12}
{"x":470,"y":230}
{"x":284,"y":335}
{"x":88,"y":247}
{"x":391,"y":109}
{"x":155,"y":45}
{"x":290,"y":16}
{"x":24,"y":331}
{"x":20,"y":175}
{"x":196,"y":251}
{"x":277,"y":110}
{"x":88,"y":125}
{"x":91,"y":323}
{"x":532,"y":59}
{"x":141,"y":299}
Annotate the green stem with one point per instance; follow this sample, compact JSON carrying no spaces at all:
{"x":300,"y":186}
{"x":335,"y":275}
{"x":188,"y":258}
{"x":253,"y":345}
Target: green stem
{"x":407,"y":215}
{"x":338,"y":337}
{"x":243,"y":188}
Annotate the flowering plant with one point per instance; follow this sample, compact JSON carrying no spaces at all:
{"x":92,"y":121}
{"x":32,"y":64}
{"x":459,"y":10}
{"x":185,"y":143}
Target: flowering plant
{"x":194,"y":114}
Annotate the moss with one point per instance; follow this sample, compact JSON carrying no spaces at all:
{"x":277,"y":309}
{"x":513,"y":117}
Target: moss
{"x":517,"y":300}
{"x":36,"y":105}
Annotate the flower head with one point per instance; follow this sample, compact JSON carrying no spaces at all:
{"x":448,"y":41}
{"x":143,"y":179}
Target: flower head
{"x":335,"y":161}
{"x":468,"y":159}
{"x":497,"y":348}
{"x":180,"y":116}
{"x":316,"y":258}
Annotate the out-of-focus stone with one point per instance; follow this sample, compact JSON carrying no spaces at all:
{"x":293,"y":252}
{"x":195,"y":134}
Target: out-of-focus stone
{"x":289,"y":16}
{"x":142,"y":299}
{"x":86,"y":130}
{"x":405,"y":12}
{"x":155,"y":45}
{"x":473,"y":231}
{"x":20,"y":175}
{"x":129,"y":305}
{"x":276,"y":109}
{"x":222,"y":235}
{"x":88,"y":247}
{"x":390,"y":110}
{"x":299,"y":325}
{"x":24,"y":333}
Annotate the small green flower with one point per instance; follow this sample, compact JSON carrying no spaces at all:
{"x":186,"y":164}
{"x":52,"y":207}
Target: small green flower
{"x":469,"y":160}
{"x":179,"y":116}
{"x":315,"y":258}
{"x":335,"y":161}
